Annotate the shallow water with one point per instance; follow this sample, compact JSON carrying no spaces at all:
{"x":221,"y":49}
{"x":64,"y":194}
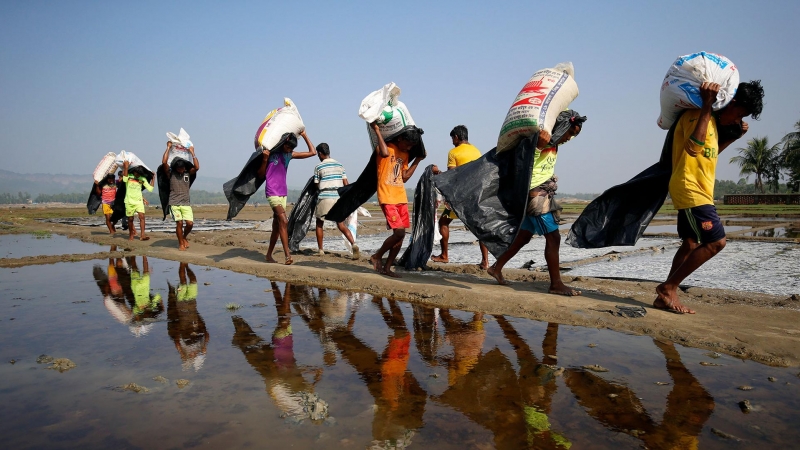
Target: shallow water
{"x":23,"y":245}
{"x":391,"y":373}
{"x":157,"y":225}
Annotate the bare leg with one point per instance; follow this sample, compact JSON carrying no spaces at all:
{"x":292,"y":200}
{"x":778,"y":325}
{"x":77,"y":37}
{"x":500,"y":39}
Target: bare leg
{"x":131,"y":229}
{"x":551,"y":246}
{"x":320,"y":233}
{"x":444,"y":230}
{"x":696,"y":256}
{"x":142,"y":236}
{"x":346,"y":232}
{"x":387,"y":268}
{"x":283,"y":231}
{"x":388,"y":244}
{"x":179,"y":234}
{"x":496,"y":271}
{"x":187,"y":228}
{"x":110,"y":225}
{"x":484,"y":256}
{"x":273,"y":238}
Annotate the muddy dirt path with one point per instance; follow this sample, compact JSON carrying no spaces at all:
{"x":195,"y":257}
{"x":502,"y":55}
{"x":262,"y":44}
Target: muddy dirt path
{"x":750,"y":325}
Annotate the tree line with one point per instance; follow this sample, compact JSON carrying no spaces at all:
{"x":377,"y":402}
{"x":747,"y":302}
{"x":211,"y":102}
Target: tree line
{"x":772,"y":163}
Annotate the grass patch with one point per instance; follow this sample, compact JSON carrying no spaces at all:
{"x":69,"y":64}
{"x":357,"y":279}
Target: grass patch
{"x":42,"y":234}
{"x":233,"y":306}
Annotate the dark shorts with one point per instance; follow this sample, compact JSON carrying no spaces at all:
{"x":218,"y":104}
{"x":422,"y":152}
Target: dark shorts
{"x":700,"y":223}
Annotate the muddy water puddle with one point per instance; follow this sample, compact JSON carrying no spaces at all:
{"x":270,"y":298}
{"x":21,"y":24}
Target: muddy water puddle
{"x":171,"y":355}
{"x":23,"y":245}
{"x":156,"y":225}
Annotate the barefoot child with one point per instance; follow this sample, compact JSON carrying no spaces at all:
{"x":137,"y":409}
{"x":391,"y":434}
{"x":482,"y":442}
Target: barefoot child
{"x":107,"y":192}
{"x":329,"y":175}
{"x":274,"y":166}
{"x":393,"y":172}
{"x":134,"y":202}
{"x":538,"y":221}
{"x":179,"y":203}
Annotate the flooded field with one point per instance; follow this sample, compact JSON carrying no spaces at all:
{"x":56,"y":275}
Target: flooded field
{"x":22,"y":245}
{"x":158,"y":225}
{"x":141,"y":352}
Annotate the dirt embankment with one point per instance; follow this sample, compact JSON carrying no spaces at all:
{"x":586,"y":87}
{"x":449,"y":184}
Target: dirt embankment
{"x":750,"y":325}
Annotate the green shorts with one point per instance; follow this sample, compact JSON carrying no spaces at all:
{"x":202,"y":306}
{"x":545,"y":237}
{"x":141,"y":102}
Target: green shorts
{"x":132,"y":208}
{"x":277,"y":201}
{"x":180,"y":213}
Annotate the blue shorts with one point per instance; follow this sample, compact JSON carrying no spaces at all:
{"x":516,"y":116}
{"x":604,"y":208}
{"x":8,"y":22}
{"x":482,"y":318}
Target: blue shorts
{"x":540,"y":225}
{"x":700,"y":223}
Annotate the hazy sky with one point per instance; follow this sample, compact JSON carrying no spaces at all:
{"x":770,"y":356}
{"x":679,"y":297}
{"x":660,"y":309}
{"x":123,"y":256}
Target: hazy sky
{"x":79,"y":79}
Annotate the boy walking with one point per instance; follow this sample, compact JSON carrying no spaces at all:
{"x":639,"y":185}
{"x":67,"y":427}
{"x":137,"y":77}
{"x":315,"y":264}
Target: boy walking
{"x":393,"y":172}
{"x":180,"y":206}
{"x":329,"y":175}
{"x":134,"y":202}
{"x":107,"y":192}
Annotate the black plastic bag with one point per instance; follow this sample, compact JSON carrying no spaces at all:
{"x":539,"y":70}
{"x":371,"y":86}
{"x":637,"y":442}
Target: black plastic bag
{"x":239,"y":189}
{"x":422,"y":226}
{"x":359,"y":192}
{"x":620,"y":215}
{"x":94,"y":201}
{"x":490,"y":194}
{"x":302,"y":215}
{"x":162,"y":180}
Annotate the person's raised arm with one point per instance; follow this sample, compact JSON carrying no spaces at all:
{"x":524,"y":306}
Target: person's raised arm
{"x":262,"y":169}
{"x":381,"y":147}
{"x":311,"y":150}
{"x":165,"y":158}
{"x":125,"y":168}
{"x":697,"y":141}
{"x":410,"y":171}
{"x":195,"y":161}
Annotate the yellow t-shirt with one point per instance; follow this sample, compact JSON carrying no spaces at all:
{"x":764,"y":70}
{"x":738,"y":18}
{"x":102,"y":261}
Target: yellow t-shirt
{"x":391,"y":188}
{"x":692,"y":180}
{"x":544,"y":165}
{"x":462,"y":154}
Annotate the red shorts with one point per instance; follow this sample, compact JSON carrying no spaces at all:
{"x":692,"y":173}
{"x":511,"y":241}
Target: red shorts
{"x":396,"y":216}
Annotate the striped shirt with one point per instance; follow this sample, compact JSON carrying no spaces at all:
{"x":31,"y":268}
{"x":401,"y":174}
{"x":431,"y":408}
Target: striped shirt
{"x":329,"y":176}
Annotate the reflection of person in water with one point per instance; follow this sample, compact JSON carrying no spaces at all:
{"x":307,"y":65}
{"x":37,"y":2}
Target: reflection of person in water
{"x":467,"y":341}
{"x":689,"y":405}
{"x":184,"y":324}
{"x":399,"y":398}
{"x":275,"y":360}
{"x":146,"y":306}
{"x":427,"y":335}
{"x":111,"y":289}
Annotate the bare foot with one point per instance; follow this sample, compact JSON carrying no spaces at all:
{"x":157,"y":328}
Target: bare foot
{"x":182,"y":248}
{"x":289,"y":261}
{"x":483,"y":265}
{"x":389,"y":273}
{"x":144,"y":238}
{"x":668,"y":301}
{"x":270,"y":259}
{"x":440,"y":259}
{"x":376,"y":263}
{"x":497,"y":275}
{"x":562,"y":289}
{"x":186,"y":243}
{"x":130,"y":238}
{"x":356,"y":251}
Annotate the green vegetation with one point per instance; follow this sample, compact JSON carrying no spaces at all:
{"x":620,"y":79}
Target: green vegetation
{"x":10,"y":199}
{"x":42,"y":234}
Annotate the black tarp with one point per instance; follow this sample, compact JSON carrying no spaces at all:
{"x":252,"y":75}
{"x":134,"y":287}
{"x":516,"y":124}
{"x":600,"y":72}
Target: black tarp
{"x":620,"y":215}
{"x":162,"y":181}
{"x":302,"y":215}
{"x":94,"y":202}
{"x":359,"y":192}
{"x":423,"y":226}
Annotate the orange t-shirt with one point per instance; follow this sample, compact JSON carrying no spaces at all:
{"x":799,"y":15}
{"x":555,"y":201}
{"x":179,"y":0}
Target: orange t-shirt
{"x":391,"y":189}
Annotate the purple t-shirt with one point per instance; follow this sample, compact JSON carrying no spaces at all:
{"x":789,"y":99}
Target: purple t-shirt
{"x":277,"y":166}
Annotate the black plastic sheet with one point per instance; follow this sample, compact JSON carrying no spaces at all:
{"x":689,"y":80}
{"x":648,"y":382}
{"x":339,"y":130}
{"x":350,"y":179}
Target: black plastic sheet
{"x":620,"y":215}
{"x":490,"y":194}
{"x":162,"y":181}
{"x":359,"y":192}
{"x":423,"y":225}
{"x":302,"y":215}
{"x":239,"y":189}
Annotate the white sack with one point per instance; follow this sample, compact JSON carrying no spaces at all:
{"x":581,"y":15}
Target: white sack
{"x":681,"y":87}
{"x":107,"y":165}
{"x":352,"y":224}
{"x":279,"y":121}
{"x":133,"y":160}
{"x":544,"y":96}
{"x":384,"y":108}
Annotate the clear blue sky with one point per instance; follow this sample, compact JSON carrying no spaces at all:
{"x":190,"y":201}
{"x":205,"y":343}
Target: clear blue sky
{"x":79,"y":79}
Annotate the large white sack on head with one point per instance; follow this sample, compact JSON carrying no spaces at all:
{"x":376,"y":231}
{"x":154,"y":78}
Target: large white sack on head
{"x":133,"y":160}
{"x":384,"y":108}
{"x":182,"y":138}
{"x":536,"y":107}
{"x":681,"y":87}
{"x":278,"y":122}
{"x":180,"y":146}
{"x":107,"y":165}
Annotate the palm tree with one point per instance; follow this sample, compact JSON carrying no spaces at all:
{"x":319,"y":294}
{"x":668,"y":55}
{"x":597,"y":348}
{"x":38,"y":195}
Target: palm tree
{"x":790,"y":157}
{"x":760,"y":159}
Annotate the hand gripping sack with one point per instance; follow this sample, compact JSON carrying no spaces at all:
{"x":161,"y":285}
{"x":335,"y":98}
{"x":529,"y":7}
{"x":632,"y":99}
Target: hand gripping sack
{"x":544,"y":96}
{"x":279,"y":121}
{"x":384,"y":108}
{"x":681,"y":87}
{"x":106,"y":166}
